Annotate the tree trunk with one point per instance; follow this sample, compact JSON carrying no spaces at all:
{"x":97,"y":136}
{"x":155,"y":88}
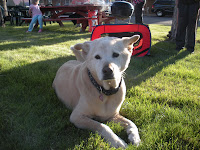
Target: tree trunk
{"x":3,"y":4}
{"x":3,"y":14}
{"x":172,"y":33}
{"x":1,"y":19}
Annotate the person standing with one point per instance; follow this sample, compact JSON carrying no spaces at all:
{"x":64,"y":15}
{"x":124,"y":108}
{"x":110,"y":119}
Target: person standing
{"x":138,"y":6}
{"x":34,"y":11}
{"x":187,"y":20}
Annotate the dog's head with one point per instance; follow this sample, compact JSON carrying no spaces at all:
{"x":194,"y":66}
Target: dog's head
{"x":107,"y":58}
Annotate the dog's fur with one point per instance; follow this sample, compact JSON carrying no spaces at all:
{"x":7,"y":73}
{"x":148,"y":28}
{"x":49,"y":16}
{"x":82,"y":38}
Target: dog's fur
{"x":106,"y":58}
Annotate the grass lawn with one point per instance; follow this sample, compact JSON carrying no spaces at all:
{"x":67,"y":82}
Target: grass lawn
{"x":163,"y":93}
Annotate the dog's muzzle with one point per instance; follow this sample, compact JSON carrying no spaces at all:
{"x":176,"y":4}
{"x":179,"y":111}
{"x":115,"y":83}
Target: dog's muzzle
{"x":107,"y":72}
{"x":101,"y":88}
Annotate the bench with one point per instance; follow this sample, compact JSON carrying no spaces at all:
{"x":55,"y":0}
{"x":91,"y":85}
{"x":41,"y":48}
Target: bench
{"x":59,"y":20}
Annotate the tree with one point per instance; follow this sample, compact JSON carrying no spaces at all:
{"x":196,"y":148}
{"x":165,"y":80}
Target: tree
{"x":172,"y":33}
{"x":3,"y":4}
{"x":4,"y":13}
{"x":1,"y":18}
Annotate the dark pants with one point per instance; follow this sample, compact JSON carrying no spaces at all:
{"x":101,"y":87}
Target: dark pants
{"x":138,"y":13}
{"x":187,"y":15}
{"x":75,"y":15}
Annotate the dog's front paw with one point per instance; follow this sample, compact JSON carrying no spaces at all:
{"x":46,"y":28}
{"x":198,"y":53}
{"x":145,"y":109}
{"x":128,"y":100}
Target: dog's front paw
{"x":117,"y":143}
{"x":133,"y":136}
{"x":134,"y":139}
{"x":112,"y":138}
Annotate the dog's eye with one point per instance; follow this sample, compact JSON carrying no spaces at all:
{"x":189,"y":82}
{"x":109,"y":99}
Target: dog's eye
{"x":115,"y":55}
{"x":97,"y":57}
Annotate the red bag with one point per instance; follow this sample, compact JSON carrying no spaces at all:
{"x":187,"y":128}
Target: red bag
{"x":144,"y":45}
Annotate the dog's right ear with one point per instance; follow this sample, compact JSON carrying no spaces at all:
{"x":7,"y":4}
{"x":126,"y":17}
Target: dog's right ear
{"x":81,"y":50}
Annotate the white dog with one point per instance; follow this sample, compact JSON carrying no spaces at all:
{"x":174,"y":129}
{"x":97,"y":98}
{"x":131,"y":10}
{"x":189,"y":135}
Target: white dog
{"x":94,"y":88}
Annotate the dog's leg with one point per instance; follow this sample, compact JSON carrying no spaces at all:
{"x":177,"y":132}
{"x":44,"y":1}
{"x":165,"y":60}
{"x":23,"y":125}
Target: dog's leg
{"x":84,"y":122}
{"x":131,"y":128}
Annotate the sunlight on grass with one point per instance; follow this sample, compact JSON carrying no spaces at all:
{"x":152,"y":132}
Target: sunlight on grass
{"x":11,"y":42}
{"x":163,"y":97}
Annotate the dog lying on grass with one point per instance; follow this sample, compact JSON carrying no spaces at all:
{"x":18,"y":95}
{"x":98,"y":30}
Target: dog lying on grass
{"x":93,"y":86}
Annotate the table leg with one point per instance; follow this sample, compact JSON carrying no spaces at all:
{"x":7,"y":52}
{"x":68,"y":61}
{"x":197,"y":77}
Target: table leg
{"x":99,"y":17}
{"x":21,"y":22}
{"x":60,"y":23}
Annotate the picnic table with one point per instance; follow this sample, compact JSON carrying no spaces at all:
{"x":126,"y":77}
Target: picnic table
{"x":58,"y":14}
{"x":16,"y":13}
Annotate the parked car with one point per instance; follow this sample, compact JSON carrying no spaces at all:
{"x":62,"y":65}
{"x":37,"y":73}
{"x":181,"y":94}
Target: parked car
{"x":163,"y":7}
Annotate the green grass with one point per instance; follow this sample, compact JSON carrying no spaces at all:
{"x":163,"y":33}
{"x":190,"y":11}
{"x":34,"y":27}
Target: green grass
{"x":163,"y":97}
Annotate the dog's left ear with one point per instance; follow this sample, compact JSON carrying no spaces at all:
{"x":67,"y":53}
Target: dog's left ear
{"x":129,"y":41}
{"x":81,"y":48}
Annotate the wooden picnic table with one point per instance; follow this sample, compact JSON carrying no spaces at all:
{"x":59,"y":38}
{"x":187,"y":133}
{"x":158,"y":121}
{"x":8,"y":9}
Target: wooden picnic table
{"x":58,"y":14}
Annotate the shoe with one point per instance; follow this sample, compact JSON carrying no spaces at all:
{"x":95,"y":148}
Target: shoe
{"x":191,"y":50}
{"x":179,"y":48}
{"x":40,"y":31}
{"x":28,"y":31}
{"x":82,"y":30}
{"x":78,"y":25}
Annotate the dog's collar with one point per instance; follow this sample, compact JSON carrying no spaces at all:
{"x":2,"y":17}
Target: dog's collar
{"x":100,"y":88}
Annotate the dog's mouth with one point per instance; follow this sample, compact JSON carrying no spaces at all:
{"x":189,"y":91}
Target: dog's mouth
{"x":110,"y":84}
{"x":110,"y":80}
{"x":109,"y":87}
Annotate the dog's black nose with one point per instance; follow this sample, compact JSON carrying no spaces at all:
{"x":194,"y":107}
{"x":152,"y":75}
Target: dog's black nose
{"x":107,"y":73}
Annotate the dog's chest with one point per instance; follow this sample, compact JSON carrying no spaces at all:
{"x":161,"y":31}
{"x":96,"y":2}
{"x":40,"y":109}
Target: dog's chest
{"x":106,"y":108}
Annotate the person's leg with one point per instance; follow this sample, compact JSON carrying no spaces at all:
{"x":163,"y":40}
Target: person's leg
{"x":181,"y":28}
{"x":73,"y":16}
{"x":138,"y":13}
{"x":33,"y":21}
{"x":40,"y":21}
{"x":192,"y":13}
{"x":84,"y":25}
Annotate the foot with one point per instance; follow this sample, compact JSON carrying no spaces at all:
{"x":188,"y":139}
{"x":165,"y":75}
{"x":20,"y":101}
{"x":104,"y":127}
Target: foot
{"x":28,"y":31}
{"x":40,"y":31}
{"x":179,"y":48}
{"x":191,"y":50}
{"x":78,"y":25}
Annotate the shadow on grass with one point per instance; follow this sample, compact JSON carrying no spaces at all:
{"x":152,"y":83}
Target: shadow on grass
{"x":141,"y":68}
{"x":31,"y":116}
